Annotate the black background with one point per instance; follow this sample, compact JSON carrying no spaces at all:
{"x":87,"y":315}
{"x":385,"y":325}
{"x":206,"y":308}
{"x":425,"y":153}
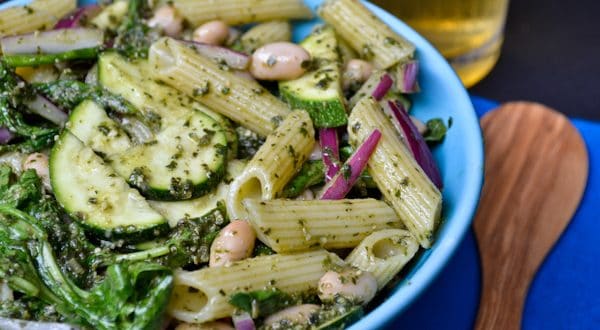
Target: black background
{"x":551,"y":54}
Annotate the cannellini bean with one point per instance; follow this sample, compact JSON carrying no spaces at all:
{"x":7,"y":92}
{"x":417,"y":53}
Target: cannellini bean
{"x":168,"y":19}
{"x":352,"y":284}
{"x":215,"y":325}
{"x":296,"y":315}
{"x":356,"y":72}
{"x":234,"y":242}
{"x":39,"y":163}
{"x":307,"y":195}
{"x":420,"y":125}
{"x":279,"y":61}
{"x":212,"y":33}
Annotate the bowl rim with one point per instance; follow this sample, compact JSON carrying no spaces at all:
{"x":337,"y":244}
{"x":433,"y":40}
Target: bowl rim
{"x":406,"y":292}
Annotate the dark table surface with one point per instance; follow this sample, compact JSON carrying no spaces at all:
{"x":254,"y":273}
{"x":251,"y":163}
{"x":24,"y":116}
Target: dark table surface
{"x":551,"y":55}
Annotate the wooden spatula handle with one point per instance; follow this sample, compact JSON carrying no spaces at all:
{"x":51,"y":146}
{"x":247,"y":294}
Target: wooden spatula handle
{"x":535,"y":174}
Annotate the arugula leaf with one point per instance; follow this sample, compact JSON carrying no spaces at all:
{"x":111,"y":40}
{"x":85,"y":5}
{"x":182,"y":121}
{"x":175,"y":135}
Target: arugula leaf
{"x":436,"y":131}
{"x":261,"y":302}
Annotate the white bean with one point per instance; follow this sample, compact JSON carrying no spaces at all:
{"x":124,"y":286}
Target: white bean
{"x":356,"y":72}
{"x":297,"y":315}
{"x":307,"y":195}
{"x":234,"y":242}
{"x":419,"y":124}
{"x":356,"y":285}
{"x":212,"y":33}
{"x":215,"y":325}
{"x":168,"y":19}
{"x":279,"y":61}
{"x":39,"y":163}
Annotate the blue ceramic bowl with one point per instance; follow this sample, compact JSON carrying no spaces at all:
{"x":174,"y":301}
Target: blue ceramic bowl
{"x":460,"y":158}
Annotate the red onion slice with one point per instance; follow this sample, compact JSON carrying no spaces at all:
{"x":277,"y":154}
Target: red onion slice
{"x":417,"y":144}
{"x":52,"y":42}
{"x":375,"y":86}
{"x":75,"y":18}
{"x":341,"y":184}
{"x":330,"y":149}
{"x":5,"y":135}
{"x":383,"y":87}
{"x":406,"y":79}
{"x":243,"y":322}
{"x":46,"y":109}
{"x":233,"y":59}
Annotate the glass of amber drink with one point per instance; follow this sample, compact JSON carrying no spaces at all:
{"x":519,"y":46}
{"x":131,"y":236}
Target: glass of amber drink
{"x":469,"y":33}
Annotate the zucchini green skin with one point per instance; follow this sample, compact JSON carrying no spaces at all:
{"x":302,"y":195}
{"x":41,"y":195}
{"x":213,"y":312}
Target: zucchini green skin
{"x":92,"y":193}
{"x":319,"y":91}
{"x":40,"y":59}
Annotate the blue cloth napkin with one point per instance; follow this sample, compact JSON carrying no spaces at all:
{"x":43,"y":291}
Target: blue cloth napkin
{"x":565,"y":293}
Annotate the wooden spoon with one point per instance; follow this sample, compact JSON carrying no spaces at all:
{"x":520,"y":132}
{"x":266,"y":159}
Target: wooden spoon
{"x":535,"y":175}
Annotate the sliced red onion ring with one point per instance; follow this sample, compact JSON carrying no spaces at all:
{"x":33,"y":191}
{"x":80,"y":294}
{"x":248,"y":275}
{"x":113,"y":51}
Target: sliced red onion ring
{"x":5,"y":135}
{"x":46,"y":109}
{"x":233,"y":59}
{"x":341,"y":184}
{"x":406,"y":79}
{"x":75,"y":18}
{"x":375,"y":86}
{"x":243,"y":322}
{"x":383,"y":87}
{"x":417,"y":144}
{"x":52,"y":42}
{"x":330,"y":149}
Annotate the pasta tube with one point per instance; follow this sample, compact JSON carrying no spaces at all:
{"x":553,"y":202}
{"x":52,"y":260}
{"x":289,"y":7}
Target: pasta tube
{"x":367,"y":34}
{"x":236,"y":12}
{"x":291,"y":225}
{"x":384,"y":253}
{"x":240,"y":99}
{"x":399,"y":177}
{"x":274,"y":164}
{"x":203,"y":295}
{"x":38,"y":15}
{"x":265,"y":33}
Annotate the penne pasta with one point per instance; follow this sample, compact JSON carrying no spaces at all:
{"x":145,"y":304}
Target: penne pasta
{"x":265,"y":33}
{"x":384,"y":253}
{"x":366,"y":33}
{"x":292,"y":225}
{"x":203,"y":295}
{"x":38,"y":15}
{"x":399,"y":177}
{"x":236,"y":12}
{"x":274,"y":164}
{"x":243,"y":100}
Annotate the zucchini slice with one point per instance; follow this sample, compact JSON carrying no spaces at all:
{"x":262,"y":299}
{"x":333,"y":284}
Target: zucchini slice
{"x":198,"y":207}
{"x":319,"y":91}
{"x":156,"y":101}
{"x":90,"y":124}
{"x":94,"y":194}
{"x":186,"y":160}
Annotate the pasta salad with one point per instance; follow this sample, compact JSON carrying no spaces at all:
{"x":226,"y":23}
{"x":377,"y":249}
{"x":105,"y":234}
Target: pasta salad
{"x":185,"y":165}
